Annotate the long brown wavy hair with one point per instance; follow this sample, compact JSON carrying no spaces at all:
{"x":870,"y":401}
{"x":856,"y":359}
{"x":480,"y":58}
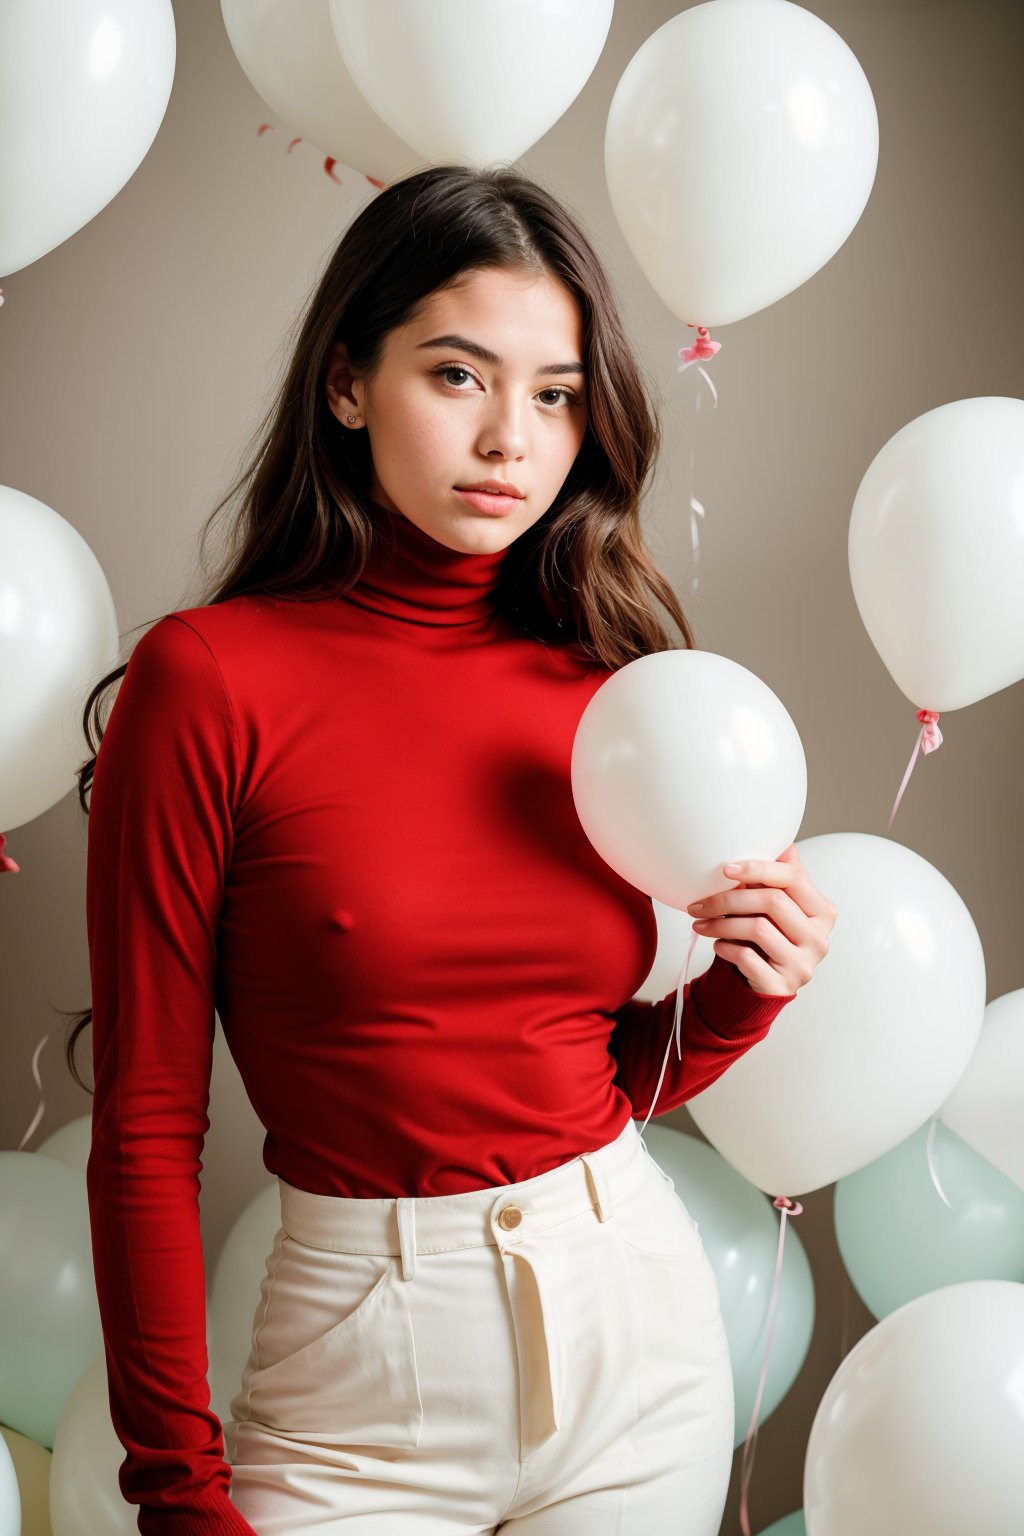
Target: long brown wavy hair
{"x":304,"y":524}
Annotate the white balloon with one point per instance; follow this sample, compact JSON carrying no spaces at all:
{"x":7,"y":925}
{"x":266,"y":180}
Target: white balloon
{"x":936,"y":551}
{"x":466,"y":81}
{"x":288,"y":51}
{"x":237,"y":1278}
{"x":674,"y":930}
{"x":740,"y":151}
{"x":10,"y":1494}
{"x":683,"y":760}
{"x":85,"y":1493}
{"x":72,"y":1143}
{"x":986,"y":1108}
{"x":921,"y":1427}
{"x":873,"y":1043}
{"x":85,"y":87}
{"x":59,"y":637}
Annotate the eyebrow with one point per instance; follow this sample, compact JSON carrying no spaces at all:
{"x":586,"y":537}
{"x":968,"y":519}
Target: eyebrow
{"x":461,"y":344}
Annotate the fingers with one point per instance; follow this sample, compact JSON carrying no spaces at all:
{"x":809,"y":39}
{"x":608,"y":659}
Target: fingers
{"x":778,"y":905}
{"x":788,"y":875}
{"x":759,"y":930}
{"x":761,"y":975}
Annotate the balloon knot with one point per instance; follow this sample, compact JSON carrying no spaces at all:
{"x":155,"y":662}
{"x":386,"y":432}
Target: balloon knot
{"x":7,"y":864}
{"x":702,"y":348}
{"x":784,"y":1203}
{"x":931,"y":736}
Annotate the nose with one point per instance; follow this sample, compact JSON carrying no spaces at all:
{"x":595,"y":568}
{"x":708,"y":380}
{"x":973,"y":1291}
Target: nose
{"x":503,"y":431}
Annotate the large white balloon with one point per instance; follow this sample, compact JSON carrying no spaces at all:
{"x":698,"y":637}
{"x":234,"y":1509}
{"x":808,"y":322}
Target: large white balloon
{"x":59,"y":637}
{"x":921,"y":1427}
{"x":874,"y":1042}
{"x":683,"y":760}
{"x":85,"y":1493}
{"x":85,"y":87}
{"x":288,"y":51}
{"x":467,"y":81}
{"x":740,"y":150}
{"x":986,"y":1108}
{"x":936,"y":550}
{"x":70,"y":1143}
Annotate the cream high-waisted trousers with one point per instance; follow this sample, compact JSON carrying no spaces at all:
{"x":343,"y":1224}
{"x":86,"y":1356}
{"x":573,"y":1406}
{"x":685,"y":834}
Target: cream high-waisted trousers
{"x":547,"y":1356}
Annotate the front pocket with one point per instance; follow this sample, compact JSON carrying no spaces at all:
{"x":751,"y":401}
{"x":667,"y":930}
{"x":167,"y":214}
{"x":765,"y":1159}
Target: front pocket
{"x":650,"y":1217}
{"x":334,"y":1355}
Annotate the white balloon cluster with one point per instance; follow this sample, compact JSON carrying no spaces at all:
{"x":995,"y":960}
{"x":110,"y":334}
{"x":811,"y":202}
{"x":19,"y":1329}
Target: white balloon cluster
{"x":740,"y":151}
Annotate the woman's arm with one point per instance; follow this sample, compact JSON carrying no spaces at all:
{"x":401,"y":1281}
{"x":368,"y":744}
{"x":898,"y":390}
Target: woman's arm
{"x":159,"y":845}
{"x":775,"y":929}
{"x":722,"y":1018}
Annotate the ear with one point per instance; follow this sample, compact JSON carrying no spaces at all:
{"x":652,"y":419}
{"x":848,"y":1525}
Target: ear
{"x":345,"y":389}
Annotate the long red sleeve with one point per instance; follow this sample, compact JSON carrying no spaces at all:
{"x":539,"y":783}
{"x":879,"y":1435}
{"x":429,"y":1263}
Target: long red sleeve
{"x":722,"y":1018}
{"x":347,"y":822}
{"x":160,"y":840}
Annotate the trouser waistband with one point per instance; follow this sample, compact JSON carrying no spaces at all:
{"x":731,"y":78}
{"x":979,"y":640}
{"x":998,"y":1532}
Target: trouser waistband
{"x":503,"y":1214}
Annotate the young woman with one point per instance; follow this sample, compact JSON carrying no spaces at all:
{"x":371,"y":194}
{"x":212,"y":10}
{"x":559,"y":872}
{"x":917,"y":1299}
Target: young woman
{"x":333,"y":802}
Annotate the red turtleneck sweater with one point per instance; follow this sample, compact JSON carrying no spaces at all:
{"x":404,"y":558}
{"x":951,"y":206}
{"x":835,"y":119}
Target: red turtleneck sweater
{"x":347,"y":825}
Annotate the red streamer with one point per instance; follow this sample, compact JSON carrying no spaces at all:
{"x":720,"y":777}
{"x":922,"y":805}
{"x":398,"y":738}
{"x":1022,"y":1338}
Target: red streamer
{"x":329,"y":160}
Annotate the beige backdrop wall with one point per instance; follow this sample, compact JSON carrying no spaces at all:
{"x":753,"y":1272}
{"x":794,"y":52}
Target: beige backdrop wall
{"x":136,"y":356}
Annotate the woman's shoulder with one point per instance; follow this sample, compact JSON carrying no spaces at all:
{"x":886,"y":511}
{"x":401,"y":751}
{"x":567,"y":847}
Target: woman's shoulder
{"x":206,"y":649}
{"x":233,"y":629}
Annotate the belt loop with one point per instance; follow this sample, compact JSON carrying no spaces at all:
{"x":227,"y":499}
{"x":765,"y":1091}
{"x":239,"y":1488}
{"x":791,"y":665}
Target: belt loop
{"x":599,"y":1186}
{"x":405,"y":1208}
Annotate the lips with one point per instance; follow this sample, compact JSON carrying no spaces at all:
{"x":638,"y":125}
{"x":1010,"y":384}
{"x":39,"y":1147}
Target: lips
{"x":491,"y":503}
{"x":494,"y":487}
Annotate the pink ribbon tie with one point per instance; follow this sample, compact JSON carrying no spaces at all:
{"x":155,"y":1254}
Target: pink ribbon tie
{"x":929,"y":737}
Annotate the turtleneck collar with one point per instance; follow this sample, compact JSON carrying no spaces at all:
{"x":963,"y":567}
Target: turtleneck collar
{"x":412,"y":576}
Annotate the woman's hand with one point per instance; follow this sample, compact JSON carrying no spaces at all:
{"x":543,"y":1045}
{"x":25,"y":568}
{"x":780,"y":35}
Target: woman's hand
{"x":781,"y":927}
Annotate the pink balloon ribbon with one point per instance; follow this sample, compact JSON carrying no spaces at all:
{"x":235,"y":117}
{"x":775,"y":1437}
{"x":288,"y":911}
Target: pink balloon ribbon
{"x":7,"y":864}
{"x":676,"y":1024}
{"x":929,"y":737}
{"x":788,"y":1207}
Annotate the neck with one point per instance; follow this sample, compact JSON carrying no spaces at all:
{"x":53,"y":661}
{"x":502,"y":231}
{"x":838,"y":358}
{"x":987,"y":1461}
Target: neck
{"x":411,"y":576}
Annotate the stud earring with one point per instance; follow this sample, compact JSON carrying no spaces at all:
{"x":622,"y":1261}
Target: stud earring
{"x":350,"y":418}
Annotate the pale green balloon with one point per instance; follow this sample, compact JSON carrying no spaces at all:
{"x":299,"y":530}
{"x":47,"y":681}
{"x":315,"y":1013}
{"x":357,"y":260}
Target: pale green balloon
{"x":739,"y":1228}
{"x":899,"y":1238}
{"x":789,"y":1525}
{"x":49,"y":1315}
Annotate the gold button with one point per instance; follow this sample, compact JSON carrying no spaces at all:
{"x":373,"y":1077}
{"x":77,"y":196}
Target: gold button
{"x":511,"y":1216}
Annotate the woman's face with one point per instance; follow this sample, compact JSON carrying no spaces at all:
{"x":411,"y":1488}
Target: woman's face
{"x":486,"y":383}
